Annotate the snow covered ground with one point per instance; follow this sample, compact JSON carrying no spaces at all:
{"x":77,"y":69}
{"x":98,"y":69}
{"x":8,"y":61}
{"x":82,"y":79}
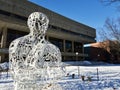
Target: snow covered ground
{"x":108,"y":78}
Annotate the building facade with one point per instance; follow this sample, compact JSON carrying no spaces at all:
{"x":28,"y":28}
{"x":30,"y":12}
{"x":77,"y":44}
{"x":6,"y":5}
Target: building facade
{"x":97,"y":54}
{"x":65,"y":33}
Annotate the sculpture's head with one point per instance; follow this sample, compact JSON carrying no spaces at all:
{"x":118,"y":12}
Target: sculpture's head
{"x":38,"y":22}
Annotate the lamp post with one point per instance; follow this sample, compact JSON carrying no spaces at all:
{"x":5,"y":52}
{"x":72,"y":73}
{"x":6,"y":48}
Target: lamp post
{"x":98,"y":57}
{"x":76,"y":63}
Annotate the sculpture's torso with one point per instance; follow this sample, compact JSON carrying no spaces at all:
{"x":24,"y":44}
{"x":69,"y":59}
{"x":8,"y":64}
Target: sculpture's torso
{"x":32,"y":54}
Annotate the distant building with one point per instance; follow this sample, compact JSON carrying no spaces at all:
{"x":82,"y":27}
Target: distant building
{"x":103,"y":51}
{"x":67,"y":34}
{"x":97,"y":54}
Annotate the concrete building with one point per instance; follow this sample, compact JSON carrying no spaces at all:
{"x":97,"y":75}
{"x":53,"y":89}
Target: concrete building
{"x":67,"y":34}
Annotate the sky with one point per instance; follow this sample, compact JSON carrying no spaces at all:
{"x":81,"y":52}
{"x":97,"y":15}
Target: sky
{"x":89,"y":12}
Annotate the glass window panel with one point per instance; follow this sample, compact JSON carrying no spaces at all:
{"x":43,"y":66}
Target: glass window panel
{"x":78,"y":47}
{"x":68,"y":46}
{"x":57,"y":42}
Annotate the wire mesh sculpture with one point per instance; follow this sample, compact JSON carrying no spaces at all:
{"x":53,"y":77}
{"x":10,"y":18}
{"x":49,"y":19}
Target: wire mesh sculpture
{"x":35,"y":63}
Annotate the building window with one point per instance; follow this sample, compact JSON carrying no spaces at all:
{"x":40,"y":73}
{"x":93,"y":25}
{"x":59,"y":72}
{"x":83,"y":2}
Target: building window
{"x":78,"y":47}
{"x":0,"y":37}
{"x":13,"y":34}
{"x":68,"y":46}
{"x":57,"y":42}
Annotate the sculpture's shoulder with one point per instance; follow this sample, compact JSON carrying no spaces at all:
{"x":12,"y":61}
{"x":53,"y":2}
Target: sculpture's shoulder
{"x":52,"y":50}
{"x":14,"y":44}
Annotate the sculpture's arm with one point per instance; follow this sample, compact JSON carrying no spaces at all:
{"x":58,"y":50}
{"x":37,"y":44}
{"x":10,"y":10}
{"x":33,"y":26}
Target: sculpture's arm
{"x":52,"y":54}
{"x":13,"y":55}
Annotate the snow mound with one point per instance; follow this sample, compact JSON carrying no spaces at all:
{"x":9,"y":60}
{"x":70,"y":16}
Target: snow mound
{"x":86,"y":63}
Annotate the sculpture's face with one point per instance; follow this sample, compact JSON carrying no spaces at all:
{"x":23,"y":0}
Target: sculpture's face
{"x":38,"y":22}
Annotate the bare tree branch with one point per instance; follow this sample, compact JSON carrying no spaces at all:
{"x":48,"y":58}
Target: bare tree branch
{"x":109,"y":2}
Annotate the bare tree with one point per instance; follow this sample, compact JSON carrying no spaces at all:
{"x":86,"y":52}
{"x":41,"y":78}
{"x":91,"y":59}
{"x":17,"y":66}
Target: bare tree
{"x":108,"y":2}
{"x":116,"y":3}
{"x":111,"y":33}
{"x":113,"y":29}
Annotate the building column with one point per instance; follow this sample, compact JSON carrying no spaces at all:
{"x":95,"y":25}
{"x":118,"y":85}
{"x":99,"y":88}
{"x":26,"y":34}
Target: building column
{"x":82,"y":48}
{"x":83,"y":51}
{"x":47,"y":37}
{"x":3,"y":42}
{"x":64,"y":48}
{"x":1,"y":33}
{"x":4,"y":37}
{"x":73,"y":46}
